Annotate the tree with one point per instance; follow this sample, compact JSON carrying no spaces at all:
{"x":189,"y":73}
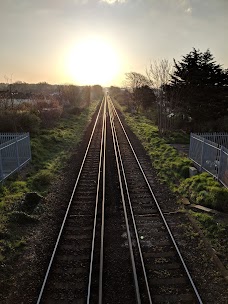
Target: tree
{"x":96,"y":92}
{"x":202,"y":85}
{"x":122,"y":96}
{"x":145,"y":96}
{"x":135,"y":81}
{"x":159,"y":75}
{"x":72,"y":94}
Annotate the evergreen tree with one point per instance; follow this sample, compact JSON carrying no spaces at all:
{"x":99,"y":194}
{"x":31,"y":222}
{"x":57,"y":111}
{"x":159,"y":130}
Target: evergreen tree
{"x":144,"y":96}
{"x":202,"y":87}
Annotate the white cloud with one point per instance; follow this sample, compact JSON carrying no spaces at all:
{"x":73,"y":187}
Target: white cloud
{"x":188,"y":10}
{"x":113,"y":1}
{"x":186,"y":6}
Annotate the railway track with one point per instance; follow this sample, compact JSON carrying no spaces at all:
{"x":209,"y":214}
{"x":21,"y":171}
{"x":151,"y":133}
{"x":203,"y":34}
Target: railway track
{"x":115,"y":244}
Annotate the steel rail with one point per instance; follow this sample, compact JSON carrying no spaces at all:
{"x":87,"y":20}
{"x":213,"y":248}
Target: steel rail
{"x":126,"y":220}
{"x":132,"y":212}
{"x":160,"y":211}
{"x":95,"y":213}
{"x":68,"y":208}
{"x":103,"y":210}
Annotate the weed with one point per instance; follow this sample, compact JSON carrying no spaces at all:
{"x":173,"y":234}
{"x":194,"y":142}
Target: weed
{"x":215,"y":231}
{"x":51,"y":148}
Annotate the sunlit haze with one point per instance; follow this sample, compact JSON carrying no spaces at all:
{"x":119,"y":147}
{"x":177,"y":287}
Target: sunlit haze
{"x":98,"y":41}
{"x":92,"y":61}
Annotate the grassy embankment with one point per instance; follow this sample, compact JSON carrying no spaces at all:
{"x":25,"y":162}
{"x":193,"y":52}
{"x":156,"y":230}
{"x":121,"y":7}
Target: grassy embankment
{"x":173,"y":169}
{"x":51,"y":148}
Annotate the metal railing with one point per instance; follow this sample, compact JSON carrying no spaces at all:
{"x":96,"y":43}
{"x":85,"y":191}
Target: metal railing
{"x":208,"y":154}
{"x":15,"y":152}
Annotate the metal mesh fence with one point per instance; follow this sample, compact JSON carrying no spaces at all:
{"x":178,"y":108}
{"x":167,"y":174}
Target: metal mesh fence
{"x":15,"y":152}
{"x":210,"y":156}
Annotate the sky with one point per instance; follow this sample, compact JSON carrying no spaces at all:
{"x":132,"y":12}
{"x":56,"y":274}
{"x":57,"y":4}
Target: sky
{"x":98,"y":41}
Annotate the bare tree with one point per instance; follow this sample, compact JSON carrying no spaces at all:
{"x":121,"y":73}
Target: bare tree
{"x":134,"y":81}
{"x":9,"y":81}
{"x":159,"y":76}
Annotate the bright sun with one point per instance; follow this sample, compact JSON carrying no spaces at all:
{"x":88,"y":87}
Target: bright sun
{"x":93,"y":61}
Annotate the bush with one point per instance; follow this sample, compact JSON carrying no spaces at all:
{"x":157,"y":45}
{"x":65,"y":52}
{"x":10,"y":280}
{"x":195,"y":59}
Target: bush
{"x":49,"y":116}
{"x":203,"y":189}
{"x":28,"y":122}
{"x":19,"y":122}
{"x":219,"y":198}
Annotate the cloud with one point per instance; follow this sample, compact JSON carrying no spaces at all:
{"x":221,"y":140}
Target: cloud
{"x":113,"y":1}
{"x":188,"y":10}
{"x":186,"y":6}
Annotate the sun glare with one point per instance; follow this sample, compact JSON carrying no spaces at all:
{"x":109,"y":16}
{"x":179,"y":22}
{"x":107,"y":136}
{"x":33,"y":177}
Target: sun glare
{"x":93,"y":61}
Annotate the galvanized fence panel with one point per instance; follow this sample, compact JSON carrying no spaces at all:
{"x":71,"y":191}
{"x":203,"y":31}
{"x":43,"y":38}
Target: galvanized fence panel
{"x":210,"y":156}
{"x":196,"y":149}
{"x":15,"y":152}
{"x":223,"y":168}
{"x":220,"y":138}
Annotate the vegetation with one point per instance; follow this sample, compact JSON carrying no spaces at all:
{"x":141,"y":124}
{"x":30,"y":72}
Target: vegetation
{"x":192,"y":95}
{"x":173,"y":168}
{"x":200,"y":86}
{"x":216,"y":232}
{"x":204,"y":190}
{"x":22,"y":110}
{"x":51,"y":148}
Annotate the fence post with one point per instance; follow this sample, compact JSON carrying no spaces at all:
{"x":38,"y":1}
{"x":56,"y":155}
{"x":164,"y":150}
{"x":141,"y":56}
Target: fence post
{"x":1,"y":169}
{"x":201,"y":161}
{"x":220,"y":163}
{"x":17,"y":153}
{"x":29,"y":147}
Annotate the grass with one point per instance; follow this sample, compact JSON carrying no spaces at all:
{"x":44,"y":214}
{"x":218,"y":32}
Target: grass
{"x":173,"y":168}
{"x":51,"y":148}
{"x":216,"y":232}
{"x":203,"y":189}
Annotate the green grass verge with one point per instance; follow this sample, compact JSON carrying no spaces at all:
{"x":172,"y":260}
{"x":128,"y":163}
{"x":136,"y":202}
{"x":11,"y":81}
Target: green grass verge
{"x":173,"y":168}
{"x":51,"y":148}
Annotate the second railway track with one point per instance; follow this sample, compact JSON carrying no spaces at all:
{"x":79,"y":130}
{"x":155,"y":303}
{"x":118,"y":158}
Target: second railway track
{"x":115,"y":245}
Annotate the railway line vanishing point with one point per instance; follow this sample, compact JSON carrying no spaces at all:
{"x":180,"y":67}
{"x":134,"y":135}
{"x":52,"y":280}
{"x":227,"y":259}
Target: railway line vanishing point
{"x":115,"y":244}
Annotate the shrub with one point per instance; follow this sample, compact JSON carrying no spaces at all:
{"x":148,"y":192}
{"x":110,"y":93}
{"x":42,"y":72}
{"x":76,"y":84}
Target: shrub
{"x":19,"y":122}
{"x":203,"y":189}
{"x":28,"y":122}
{"x":41,"y":180}
{"x":50,"y":115}
{"x":219,"y":198}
